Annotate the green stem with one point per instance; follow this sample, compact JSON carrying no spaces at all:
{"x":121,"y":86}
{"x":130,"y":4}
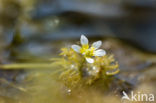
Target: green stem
{"x":28,"y":66}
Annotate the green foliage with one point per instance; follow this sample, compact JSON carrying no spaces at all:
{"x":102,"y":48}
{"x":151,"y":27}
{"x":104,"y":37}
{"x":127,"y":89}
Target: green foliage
{"x":73,"y":70}
{"x":69,"y":74}
{"x":78,"y":72}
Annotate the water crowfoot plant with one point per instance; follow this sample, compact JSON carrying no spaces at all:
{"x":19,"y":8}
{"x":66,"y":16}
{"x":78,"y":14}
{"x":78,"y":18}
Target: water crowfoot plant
{"x":89,"y":52}
{"x":78,"y":66}
{"x":86,"y":65}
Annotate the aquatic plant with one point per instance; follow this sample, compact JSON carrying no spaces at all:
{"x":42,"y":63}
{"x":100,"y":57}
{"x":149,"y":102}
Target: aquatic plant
{"x":77,"y":66}
{"x":85,"y":65}
{"x":87,"y":52}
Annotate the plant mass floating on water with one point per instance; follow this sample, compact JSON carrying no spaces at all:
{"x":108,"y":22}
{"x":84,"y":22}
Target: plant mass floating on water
{"x":85,"y":65}
{"x":78,"y":66}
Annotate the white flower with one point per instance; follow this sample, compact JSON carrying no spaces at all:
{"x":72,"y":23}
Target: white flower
{"x":89,"y":52}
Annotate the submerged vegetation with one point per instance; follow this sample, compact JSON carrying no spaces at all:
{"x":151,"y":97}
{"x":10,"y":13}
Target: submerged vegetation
{"x":70,"y":77}
{"x":78,"y":66}
{"x":86,"y":65}
{"x":74,"y":72}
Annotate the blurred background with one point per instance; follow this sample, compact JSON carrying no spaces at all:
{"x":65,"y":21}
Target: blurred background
{"x":37,"y":21}
{"x":35,"y":30}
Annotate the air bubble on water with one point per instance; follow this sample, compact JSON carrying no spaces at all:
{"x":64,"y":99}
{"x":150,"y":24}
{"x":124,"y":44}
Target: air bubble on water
{"x":69,"y":90}
{"x":72,"y":66}
{"x":94,"y":68}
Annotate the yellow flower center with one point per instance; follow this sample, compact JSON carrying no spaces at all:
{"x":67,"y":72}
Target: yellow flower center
{"x":86,"y":51}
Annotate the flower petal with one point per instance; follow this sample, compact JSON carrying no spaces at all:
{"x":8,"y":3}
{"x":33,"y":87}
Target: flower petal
{"x":90,"y":60}
{"x":97,"y":44}
{"x":76,"y":48}
{"x":99,"y":52}
{"x":83,"y":40}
